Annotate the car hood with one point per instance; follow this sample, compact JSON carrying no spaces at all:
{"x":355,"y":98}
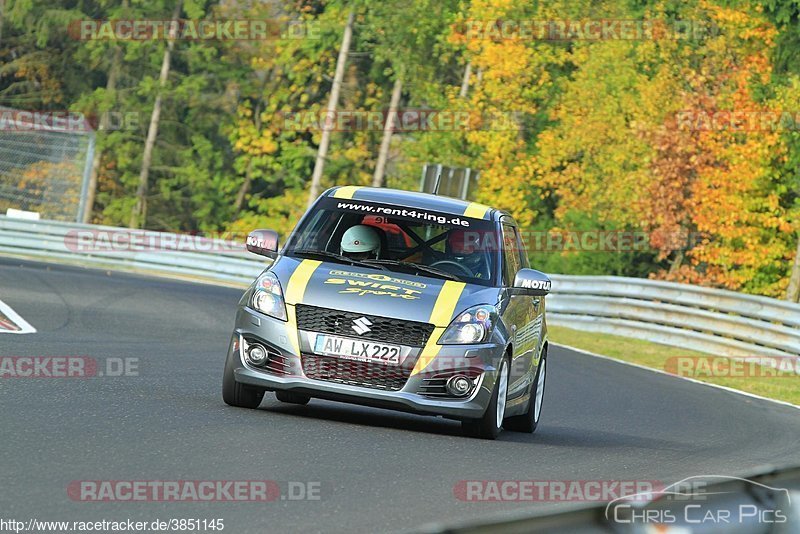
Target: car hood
{"x":376,"y":292}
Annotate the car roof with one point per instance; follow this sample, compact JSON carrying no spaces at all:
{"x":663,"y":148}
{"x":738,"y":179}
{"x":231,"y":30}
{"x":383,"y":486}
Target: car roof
{"x":415,"y":199}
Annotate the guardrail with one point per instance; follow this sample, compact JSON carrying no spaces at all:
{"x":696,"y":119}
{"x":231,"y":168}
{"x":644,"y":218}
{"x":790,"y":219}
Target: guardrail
{"x":719,"y":322}
{"x":184,"y":256}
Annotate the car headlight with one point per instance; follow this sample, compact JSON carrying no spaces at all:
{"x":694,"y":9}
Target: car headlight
{"x":472,"y":326}
{"x":268,"y":297}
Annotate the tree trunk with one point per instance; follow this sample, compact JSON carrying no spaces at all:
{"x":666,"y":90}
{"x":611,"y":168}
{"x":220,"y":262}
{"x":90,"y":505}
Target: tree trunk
{"x":324,"y":142}
{"x":111,"y":88}
{"x":2,"y":18}
{"x":676,"y":262}
{"x":465,"y":81}
{"x":388,"y":129}
{"x":793,"y":291}
{"x":139,"y":213}
{"x":242,"y":194}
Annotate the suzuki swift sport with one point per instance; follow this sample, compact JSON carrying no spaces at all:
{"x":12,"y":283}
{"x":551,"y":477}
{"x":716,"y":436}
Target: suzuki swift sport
{"x":396,"y":300}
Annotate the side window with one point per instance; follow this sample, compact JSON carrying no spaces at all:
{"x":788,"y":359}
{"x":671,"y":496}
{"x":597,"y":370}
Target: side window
{"x":511,"y":254}
{"x":523,"y":252}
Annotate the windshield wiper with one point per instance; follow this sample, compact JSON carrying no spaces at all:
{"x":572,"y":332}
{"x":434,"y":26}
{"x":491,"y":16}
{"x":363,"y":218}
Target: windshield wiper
{"x":417,"y":267}
{"x":333,"y":256}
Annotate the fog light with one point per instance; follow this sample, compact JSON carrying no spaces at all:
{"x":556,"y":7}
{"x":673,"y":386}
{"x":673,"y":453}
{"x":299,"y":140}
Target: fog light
{"x":459,"y":385}
{"x":257,"y":355}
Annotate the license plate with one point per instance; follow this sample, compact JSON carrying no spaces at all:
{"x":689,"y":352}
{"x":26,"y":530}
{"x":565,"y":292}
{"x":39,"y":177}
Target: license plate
{"x":354,"y":349}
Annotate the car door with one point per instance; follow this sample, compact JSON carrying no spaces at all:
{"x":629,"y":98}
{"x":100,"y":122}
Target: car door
{"x":529,"y":334}
{"x":518,"y":314}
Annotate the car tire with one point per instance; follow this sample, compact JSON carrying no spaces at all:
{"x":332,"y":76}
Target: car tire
{"x":236,"y":394}
{"x":489,"y":426}
{"x":292,"y":398}
{"x":529,"y":421}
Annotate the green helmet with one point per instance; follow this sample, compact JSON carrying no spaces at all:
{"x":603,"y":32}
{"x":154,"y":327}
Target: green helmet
{"x":361,"y":240}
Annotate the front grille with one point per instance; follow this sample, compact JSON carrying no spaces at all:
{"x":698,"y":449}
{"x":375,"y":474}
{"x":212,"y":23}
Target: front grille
{"x":278,"y":364}
{"x":382,"y":329}
{"x":354,"y":373}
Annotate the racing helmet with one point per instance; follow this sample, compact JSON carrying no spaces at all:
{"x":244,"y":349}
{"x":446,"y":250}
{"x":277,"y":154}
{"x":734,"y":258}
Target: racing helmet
{"x":463,"y":242}
{"x":361,"y":242}
{"x":472,"y":249}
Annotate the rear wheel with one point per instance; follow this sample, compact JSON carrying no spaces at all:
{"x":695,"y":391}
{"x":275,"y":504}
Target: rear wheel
{"x":528,"y":421}
{"x":488,"y":426}
{"x":236,"y":394}
{"x":292,"y":398}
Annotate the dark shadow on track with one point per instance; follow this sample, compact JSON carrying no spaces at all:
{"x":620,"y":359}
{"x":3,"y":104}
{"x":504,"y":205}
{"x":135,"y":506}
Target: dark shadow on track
{"x":364,"y":416}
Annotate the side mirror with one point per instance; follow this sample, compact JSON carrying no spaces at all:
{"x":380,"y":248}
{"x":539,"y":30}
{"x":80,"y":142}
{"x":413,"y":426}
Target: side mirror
{"x":532,"y":282}
{"x":263,"y":243}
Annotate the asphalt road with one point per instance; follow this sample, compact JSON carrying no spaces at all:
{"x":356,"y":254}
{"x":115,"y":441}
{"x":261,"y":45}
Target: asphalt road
{"x":377,"y":470}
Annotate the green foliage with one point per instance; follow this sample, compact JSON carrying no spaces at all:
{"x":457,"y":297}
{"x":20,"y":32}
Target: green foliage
{"x":589,"y":142}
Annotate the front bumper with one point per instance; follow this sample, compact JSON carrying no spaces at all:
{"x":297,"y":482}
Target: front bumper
{"x":274,"y":334}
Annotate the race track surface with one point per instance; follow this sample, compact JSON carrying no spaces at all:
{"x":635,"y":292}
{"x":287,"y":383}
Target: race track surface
{"x":377,"y":470}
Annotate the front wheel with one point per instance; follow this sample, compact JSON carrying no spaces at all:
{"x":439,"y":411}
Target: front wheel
{"x":236,"y":394}
{"x":529,"y":421}
{"x":488,"y":426}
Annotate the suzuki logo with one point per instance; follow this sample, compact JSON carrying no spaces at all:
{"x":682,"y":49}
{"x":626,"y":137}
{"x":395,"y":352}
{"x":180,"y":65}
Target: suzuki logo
{"x":362,"y":326}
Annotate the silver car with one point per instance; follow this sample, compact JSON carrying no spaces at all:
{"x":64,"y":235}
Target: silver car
{"x":396,"y":300}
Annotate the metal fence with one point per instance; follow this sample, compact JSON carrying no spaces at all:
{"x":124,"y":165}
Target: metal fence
{"x":452,"y":182}
{"x":719,"y":322}
{"x":45,"y":159}
{"x":159,"y":253}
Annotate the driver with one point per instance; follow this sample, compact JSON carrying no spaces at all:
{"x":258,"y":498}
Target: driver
{"x":466,"y":250}
{"x":361,"y":242}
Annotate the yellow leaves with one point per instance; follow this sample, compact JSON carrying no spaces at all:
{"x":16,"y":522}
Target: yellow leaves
{"x":248,"y":139}
{"x":744,"y":22}
{"x":267,"y":146}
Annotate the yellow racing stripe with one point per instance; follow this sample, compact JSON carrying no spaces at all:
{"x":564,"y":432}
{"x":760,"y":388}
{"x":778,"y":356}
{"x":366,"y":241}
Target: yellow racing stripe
{"x":299,"y":280}
{"x":476,"y":211}
{"x":440,"y":317}
{"x":446,"y":303}
{"x":346,"y":191}
{"x":294,"y":294}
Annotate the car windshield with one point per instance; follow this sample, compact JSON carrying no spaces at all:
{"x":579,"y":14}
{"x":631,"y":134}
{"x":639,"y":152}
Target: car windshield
{"x":410,"y":240}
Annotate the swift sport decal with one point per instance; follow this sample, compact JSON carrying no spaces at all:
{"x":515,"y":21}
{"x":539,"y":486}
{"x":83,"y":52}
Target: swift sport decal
{"x":375,"y":284}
